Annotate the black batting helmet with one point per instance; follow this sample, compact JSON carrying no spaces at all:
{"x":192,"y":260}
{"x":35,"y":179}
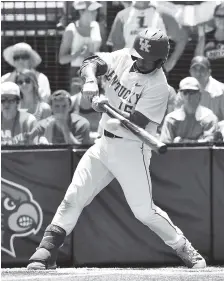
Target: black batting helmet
{"x":151,"y":44}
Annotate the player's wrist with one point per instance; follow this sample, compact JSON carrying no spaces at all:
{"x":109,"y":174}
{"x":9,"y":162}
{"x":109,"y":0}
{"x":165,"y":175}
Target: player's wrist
{"x":88,"y":73}
{"x":91,"y":80}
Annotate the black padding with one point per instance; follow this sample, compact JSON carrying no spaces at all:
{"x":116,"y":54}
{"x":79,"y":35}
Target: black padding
{"x":54,"y":237}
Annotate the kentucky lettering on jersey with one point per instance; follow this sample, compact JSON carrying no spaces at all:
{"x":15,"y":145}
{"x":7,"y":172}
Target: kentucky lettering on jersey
{"x":125,"y":94}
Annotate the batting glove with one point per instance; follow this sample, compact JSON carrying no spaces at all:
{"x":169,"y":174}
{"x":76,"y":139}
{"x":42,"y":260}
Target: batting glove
{"x":90,"y":89}
{"x":97,"y":103}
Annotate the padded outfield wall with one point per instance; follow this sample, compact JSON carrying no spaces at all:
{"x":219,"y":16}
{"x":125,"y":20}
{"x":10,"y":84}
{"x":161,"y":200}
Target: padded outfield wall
{"x":187,"y":183}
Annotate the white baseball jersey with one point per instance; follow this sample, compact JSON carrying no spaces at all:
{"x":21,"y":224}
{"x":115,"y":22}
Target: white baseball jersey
{"x":129,"y":91}
{"x":79,"y":41}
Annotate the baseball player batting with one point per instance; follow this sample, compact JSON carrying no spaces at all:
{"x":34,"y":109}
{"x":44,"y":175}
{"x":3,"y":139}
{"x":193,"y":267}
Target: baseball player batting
{"x":136,"y":86}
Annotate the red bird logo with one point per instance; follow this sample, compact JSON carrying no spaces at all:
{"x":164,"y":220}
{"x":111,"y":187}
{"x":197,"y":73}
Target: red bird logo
{"x":21,"y":214}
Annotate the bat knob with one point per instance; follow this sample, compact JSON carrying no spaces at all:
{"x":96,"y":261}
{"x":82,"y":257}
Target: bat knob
{"x":162,"y":149}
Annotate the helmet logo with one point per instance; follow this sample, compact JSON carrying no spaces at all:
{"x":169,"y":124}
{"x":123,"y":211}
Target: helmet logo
{"x":144,"y":45}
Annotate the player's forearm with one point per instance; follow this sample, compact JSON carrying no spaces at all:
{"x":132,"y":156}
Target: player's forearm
{"x":88,"y":73}
{"x":136,"y":117}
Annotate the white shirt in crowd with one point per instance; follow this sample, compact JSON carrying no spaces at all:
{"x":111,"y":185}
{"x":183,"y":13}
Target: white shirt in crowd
{"x":131,"y":21}
{"x":79,"y":41}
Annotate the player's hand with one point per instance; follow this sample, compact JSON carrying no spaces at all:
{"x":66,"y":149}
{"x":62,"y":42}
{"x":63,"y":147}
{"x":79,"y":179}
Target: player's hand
{"x":97,"y":103}
{"x":90,"y":89}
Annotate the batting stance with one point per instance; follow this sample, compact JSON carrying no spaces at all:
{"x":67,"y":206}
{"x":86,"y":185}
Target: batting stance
{"x":136,"y":86}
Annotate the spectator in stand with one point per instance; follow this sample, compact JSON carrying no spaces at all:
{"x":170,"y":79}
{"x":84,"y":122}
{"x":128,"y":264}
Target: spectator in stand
{"x":64,"y":126}
{"x":172,"y":95}
{"x":123,"y":4}
{"x":14,"y":123}
{"x":171,"y":99}
{"x":83,"y":107}
{"x":221,"y":130}
{"x":81,"y":38}
{"x":30,"y":95}
{"x":142,"y":14}
{"x":211,"y":44}
{"x":211,"y":89}
{"x":21,"y":56}
{"x":192,"y":122}
{"x":170,"y":105}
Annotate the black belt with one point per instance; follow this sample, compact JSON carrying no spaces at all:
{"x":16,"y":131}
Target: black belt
{"x":110,"y":135}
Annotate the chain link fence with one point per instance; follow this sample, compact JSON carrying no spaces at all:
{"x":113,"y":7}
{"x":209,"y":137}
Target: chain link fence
{"x":35,"y":22}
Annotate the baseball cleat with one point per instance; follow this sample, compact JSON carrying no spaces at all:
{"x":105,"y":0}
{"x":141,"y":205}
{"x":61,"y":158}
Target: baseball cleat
{"x":190,"y":256}
{"x":42,"y":259}
{"x":40,"y":266}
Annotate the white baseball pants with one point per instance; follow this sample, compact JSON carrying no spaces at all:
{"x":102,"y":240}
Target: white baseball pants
{"x":128,"y":161}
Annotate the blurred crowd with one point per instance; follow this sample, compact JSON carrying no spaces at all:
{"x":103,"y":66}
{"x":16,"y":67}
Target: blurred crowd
{"x":32,"y":115}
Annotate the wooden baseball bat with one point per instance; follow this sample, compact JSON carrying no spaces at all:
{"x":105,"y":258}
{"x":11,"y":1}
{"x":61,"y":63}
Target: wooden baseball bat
{"x":142,"y":134}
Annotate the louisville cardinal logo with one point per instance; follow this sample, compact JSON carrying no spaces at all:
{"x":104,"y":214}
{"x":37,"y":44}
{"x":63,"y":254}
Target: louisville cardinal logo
{"x":21,"y":214}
